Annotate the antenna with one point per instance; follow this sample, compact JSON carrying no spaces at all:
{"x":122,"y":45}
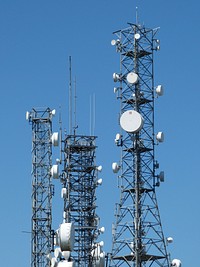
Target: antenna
{"x":71,"y":111}
{"x":136,"y":14}
{"x":94,"y":111}
{"x":60,"y":124}
{"x":70,"y":95}
{"x":92,"y":114}
{"x":75,"y":99}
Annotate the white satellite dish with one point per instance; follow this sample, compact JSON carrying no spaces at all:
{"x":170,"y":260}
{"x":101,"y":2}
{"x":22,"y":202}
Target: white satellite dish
{"x":132,"y":78}
{"x":64,"y":192}
{"x":101,"y":243}
{"x":99,"y":168}
{"x":157,"y":47}
{"x":58,"y":161}
{"x":55,"y":171}
{"x":176,"y":263}
{"x":100,"y":181}
{"x":66,"y":234}
{"x":55,"y":139}
{"x":53,"y":112}
{"x":115,"y":167}
{"x":115,"y":89}
{"x":160,"y":137}
{"x":137,"y":36}
{"x":102,"y":229}
{"x":102,"y":255}
{"x":113,"y":42}
{"x":159,"y":90}
{"x":117,"y":137}
{"x":116,"y":77}
{"x":131,"y":121}
{"x":170,"y":239}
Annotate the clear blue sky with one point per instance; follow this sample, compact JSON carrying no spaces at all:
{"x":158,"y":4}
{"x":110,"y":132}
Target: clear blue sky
{"x":36,"y":39}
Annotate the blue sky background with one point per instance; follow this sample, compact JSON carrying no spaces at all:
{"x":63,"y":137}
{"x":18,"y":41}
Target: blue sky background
{"x":36,"y":40}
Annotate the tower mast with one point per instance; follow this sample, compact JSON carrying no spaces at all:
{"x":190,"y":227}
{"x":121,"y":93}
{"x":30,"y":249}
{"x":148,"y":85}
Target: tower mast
{"x":138,"y":238}
{"x":76,"y":240}
{"x":41,"y":121}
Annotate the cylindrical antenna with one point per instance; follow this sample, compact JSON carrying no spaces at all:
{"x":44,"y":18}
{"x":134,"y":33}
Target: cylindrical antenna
{"x":75,"y":99}
{"x":92,"y":114}
{"x":70,"y":95}
{"x":136,"y":14}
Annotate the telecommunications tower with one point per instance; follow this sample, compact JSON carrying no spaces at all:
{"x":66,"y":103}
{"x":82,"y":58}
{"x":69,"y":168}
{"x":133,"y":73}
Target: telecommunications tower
{"x":42,"y":188}
{"x":76,"y":240}
{"x":80,"y":181}
{"x":138,"y":238}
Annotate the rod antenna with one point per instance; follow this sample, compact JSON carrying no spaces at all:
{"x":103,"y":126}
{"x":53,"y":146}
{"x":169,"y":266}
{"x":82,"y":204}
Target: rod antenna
{"x":75,"y":104}
{"x":92,"y":114}
{"x":70,"y":95}
{"x":136,"y":14}
{"x":60,"y":124}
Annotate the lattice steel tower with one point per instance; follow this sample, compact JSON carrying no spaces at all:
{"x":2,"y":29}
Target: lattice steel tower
{"x":75,"y":242}
{"x":41,"y":121}
{"x":80,"y":180}
{"x":138,"y":238}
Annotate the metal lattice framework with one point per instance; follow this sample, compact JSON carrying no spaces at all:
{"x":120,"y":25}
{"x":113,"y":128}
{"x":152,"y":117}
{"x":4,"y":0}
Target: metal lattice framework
{"x":41,"y":120}
{"x":80,"y":179}
{"x":138,"y":238}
